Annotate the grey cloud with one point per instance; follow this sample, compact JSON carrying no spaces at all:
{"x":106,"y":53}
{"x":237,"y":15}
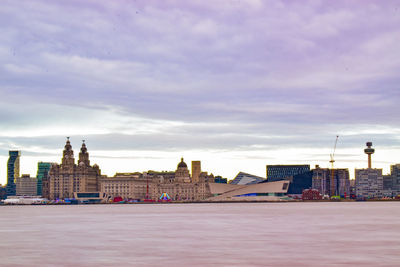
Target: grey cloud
{"x":277,"y":74}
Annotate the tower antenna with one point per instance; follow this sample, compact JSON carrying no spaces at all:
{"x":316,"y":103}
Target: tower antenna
{"x":369,"y":151}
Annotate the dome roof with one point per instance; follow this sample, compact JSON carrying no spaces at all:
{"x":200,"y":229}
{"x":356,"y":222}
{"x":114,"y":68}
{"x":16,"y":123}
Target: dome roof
{"x":182,"y":164}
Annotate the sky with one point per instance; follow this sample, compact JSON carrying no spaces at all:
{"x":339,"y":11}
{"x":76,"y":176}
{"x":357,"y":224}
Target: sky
{"x":237,"y":84}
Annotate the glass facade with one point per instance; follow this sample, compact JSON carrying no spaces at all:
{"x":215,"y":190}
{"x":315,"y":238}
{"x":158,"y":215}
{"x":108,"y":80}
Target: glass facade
{"x":260,"y":194}
{"x":300,"y":182}
{"x":220,"y":180}
{"x":43,"y":171}
{"x":12,"y":172}
{"x":280,"y":172}
{"x":244,"y":179}
{"x":88,"y":195}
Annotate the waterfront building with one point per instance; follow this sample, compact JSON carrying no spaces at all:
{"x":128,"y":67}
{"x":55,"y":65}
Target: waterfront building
{"x":182,"y":174}
{"x":322,"y":179}
{"x":352,"y":188}
{"x":265,"y":191}
{"x":42,"y":173}
{"x":395,"y":174}
{"x":26,"y":185}
{"x":243,"y":178}
{"x":196,"y":170}
{"x":151,"y":185}
{"x":67,"y":178}
{"x":180,"y":188}
{"x":183,"y":191}
{"x":299,"y":182}
{"x":3,"y":192}
{"x":342,"y":182}
{"x":220,"y":179}
{"x":388,"y":188}
{"x":369,"y":183}
{"x":281,"y":172}
{"x":46,"y":186}
{"x":127,"y":185}
{"x":12,"y":171}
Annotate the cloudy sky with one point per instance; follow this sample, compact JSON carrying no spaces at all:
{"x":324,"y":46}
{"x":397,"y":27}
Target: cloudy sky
{"x":237,"y":84}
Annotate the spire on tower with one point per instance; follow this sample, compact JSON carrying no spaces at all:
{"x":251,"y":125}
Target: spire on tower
{"x":68,"y":146}
{"x":84,"y":155}
{"x":68,"y":154}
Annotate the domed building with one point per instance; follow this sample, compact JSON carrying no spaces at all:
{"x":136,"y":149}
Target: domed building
{"x":182,"y":174}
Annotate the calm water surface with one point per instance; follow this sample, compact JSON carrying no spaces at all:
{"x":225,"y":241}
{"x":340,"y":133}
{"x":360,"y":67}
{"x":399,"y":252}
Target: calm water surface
{"x":240,"y":234}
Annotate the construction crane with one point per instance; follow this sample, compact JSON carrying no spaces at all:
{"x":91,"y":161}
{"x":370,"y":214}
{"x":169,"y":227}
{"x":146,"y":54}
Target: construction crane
{"x":332,"y":161}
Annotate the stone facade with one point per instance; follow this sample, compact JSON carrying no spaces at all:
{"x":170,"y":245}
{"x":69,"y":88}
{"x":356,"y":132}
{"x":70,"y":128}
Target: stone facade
{"x":151,"y":185}
{"x":182,"y":174}
{"x":67,"y":178}
{"x":26,"y":185}
{"x":196,"y":170}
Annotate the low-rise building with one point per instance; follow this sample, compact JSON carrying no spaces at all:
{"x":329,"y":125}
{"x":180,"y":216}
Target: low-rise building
{"x":265,"y":191}
{"x":151,"y":185}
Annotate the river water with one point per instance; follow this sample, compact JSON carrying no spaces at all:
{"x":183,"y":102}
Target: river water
{"x":237,"y":234}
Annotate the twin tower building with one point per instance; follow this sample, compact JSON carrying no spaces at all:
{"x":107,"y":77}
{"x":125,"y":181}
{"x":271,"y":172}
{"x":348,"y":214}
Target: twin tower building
{"x":67,"y":179}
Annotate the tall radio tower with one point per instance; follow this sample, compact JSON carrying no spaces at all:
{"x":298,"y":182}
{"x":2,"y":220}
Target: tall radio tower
{"x":369,"y":151}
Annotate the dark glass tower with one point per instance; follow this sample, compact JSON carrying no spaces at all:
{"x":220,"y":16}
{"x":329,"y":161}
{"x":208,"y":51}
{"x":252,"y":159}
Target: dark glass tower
{"x":281,"y":172}
{"x":12,"y":172}
{"x":43,"y":171}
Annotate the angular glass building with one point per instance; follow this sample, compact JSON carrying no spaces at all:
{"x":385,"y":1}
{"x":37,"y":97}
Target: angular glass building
{"x":43,"y":171}
{"x":244,"y":179}
{"x":12,"y":171}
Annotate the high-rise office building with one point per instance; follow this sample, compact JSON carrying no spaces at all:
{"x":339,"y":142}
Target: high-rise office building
{"x":280,"y":172}
{"x":395,"y":174}
{"x":369,"y":183}
{"x":196,"y":170}
{"x":388,"y":188}
{"x":42,"y":173}
{"x":12,"y":171}
{"x":322,"y":179}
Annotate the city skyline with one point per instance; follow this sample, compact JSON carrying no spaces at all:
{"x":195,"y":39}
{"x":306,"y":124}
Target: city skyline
{"x":171,"y":168}
{"x":234,"y":84}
